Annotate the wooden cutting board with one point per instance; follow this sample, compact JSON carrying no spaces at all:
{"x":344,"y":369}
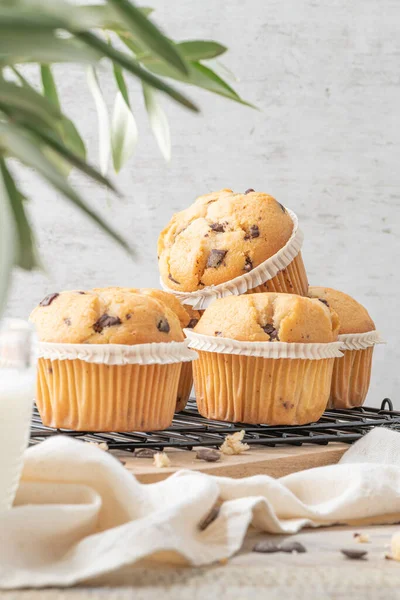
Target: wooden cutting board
{"x":275,"y":462}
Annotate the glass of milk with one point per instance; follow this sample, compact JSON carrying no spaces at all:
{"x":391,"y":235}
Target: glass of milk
{"x":17,"y":391}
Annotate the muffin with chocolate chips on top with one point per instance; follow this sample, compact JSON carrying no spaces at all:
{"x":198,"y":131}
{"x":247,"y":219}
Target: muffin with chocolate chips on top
{"x":352,"y":373}
{"x":110,"y":360}
{"x":225,"y":238}
{"x":265,"y":358}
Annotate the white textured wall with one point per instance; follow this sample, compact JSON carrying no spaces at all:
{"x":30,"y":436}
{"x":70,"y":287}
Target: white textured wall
{"x":325,"y":74}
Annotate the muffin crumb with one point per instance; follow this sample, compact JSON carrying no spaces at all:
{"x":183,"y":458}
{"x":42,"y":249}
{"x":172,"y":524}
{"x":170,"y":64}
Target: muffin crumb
{"x":233,"y":444}
{"x":161,"y":460}
{"x":100,"y":445}
{"x":361,"y":538}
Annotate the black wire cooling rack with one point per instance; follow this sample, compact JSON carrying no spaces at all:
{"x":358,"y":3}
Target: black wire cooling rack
{"x":189,"y":429}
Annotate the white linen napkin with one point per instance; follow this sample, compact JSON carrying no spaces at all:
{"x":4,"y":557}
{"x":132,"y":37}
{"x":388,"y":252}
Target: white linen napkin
{"x":79,"y":513}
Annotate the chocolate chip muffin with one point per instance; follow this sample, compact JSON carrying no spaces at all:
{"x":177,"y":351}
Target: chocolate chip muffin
{"x":265,"y":358}
{"x":110,"y":360}
{"x":352,"y":373}
{"x":225,"y":235}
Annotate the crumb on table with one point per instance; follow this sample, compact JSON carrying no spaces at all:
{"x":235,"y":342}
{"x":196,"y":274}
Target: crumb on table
{"x":161,"y":460}
{"x":233,"y":443}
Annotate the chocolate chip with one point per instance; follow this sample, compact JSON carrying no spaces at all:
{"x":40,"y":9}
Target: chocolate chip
{"x":172,"y":279}
{"x":145,"y":453}
{"x":324,"y":301}
{"x":248,"y":265}
{"x":287,"y":405}
{"x":249,"y":191}
{"x":219,"y":333}
{"x":215,"y":258}
{"x":67,"y":322}
{"x":163,"y":325}
{"x":106,"y":321}
{"x":82,"y":293}
{"x":128,"y":316}
{"x":192,"y":323}
{"x":254,"y":231}
{"x":217,"y":227}
{"x":208,"y":519}
{"x":48,"y":300}
{"x":282,"y":207}
{"x":208,"y":454}
{"x":271,"y":331}
{"x":354,"y":554}
{"x":270,"y":547}
{"x":50,"y":370}
{"x":293,"y":547}
{"x":266,"y":547}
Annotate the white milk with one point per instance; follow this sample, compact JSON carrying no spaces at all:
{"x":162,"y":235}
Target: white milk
{"x":17,"y":390}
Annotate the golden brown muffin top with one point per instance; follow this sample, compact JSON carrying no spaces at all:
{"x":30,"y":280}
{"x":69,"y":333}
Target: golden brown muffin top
{"x":105,"y":316}
{"x":221,"y":236}
{"x":270,"y":317}
{"x":354,"y":318}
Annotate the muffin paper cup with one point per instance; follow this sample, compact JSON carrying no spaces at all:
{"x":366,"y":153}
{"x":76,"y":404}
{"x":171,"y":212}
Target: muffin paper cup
{"x":352,"y":374}
{"x":129,"y":388}
{"x":162,"y":353}
{"x":275,"y":350}
{"x":360,"y":341}
{"x":262,"y":382}
{"x":184,"y":387}
{"x":264,"y":272}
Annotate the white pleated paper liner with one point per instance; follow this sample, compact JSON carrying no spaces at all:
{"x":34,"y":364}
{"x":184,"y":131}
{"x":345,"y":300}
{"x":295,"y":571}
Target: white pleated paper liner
{"x":360,"y":341}
{"x":206,"y":343}
{"x":201,"y":299}
{"x":162,"y":353}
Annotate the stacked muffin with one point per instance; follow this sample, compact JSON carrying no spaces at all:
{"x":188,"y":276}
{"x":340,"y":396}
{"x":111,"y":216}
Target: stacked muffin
{"x":265,"y":347}
{"x":263,"y":357}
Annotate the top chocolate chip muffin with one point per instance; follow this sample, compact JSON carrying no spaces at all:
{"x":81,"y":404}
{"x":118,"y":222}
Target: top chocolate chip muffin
{"x":105,"y":316}
{"x":221,"y":236}
{"x":354,"y":318}
{"x":270,"y":317}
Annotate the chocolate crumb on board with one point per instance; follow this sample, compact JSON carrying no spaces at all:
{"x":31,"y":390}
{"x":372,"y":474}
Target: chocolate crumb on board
{"x":67,"y":321}
{"x":163,"y":325}
{"x":233,"y":444}
{"x":218,"y":227}
{"x":248,"y":265}
{"x":209,"y":518}
{"x":192,"y":323}
{"x":47,"y":300}
{"x":172,"y":279}
{"x":249,"y":191}
{"x":145,"y":453}
{"x":271,"y":331}
{"x":324,"y":301}
{"x":208,"y":454}
{"x":215,"y":258}
{"x":81,"y":293}
{"x":161,"y":460}
{"x":106,"y":321}
{"x":289,"y":547}
{"x":354,"y":554}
